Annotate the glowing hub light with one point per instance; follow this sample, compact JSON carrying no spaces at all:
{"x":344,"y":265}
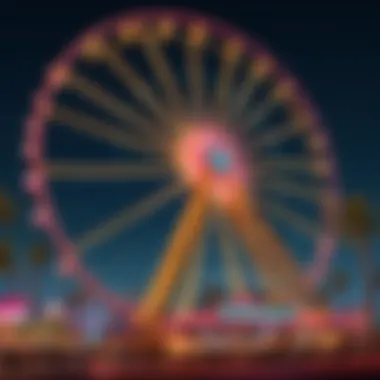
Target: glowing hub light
{"x":206,"y":155}
{"x":219,"y":160}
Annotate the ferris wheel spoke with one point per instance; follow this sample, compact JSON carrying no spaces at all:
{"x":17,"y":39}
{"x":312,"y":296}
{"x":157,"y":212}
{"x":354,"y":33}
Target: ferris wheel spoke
{"x":259,"y":114}
{"x":163,"y":72}
{"x":116,"y":107}
{"x":241,"y":97}
{"x":235,"y":278}
{"x":280,"y":272}
{"x":278,"y":135}
{"x":128,"y":216}
{"x":187,"y":297}
{"x":292,"y":218}
{"x":257,"y":73}
{"x":91,"y":126}
{"x":95,"y":48}
{"x":136,"y":84}
{"x":317,"y":166}
{"x":231,"y":54}
{"x":298,"y":127}
{"x":276,"y":96}
{"x":194,"y":48}
{"x":181,"y":243}
{"x":288,"y":163}
{"x":195,"y":74}
{"x":104,"y":171}
{"x":292,"y":189}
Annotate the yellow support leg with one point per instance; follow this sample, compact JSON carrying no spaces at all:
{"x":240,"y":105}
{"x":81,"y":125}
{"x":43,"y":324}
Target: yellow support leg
{"x":182,"y":242}
{"x":280,"y":273}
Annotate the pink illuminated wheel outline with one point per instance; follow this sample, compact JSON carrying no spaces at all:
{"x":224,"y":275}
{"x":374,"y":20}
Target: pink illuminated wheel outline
{"x":228,"y":80}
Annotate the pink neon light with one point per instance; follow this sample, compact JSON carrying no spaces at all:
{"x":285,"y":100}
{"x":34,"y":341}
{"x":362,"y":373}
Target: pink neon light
{"x":13,"y":309}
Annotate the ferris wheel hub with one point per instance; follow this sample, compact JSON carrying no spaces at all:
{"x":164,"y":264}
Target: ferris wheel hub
{"x":206,"y":154}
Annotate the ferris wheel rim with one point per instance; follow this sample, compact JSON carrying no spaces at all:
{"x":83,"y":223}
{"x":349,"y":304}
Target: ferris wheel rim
{"x":35,"y":126}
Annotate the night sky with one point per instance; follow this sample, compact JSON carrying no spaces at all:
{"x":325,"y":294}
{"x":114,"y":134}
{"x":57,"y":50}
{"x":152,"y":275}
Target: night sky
{"x":332,"y":49}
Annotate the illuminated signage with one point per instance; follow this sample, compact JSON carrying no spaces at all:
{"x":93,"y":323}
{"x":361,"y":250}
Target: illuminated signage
{"x":256,"y":314}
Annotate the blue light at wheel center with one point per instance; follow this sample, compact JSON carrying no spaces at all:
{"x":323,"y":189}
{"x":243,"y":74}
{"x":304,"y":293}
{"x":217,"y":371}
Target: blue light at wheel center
{"x":219,"y":160}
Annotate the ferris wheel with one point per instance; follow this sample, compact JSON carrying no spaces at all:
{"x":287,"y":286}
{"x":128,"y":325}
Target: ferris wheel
{"x":211,"y":112}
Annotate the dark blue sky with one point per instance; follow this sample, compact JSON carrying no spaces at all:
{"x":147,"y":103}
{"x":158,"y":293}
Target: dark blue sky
{"x":333,"y":49}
